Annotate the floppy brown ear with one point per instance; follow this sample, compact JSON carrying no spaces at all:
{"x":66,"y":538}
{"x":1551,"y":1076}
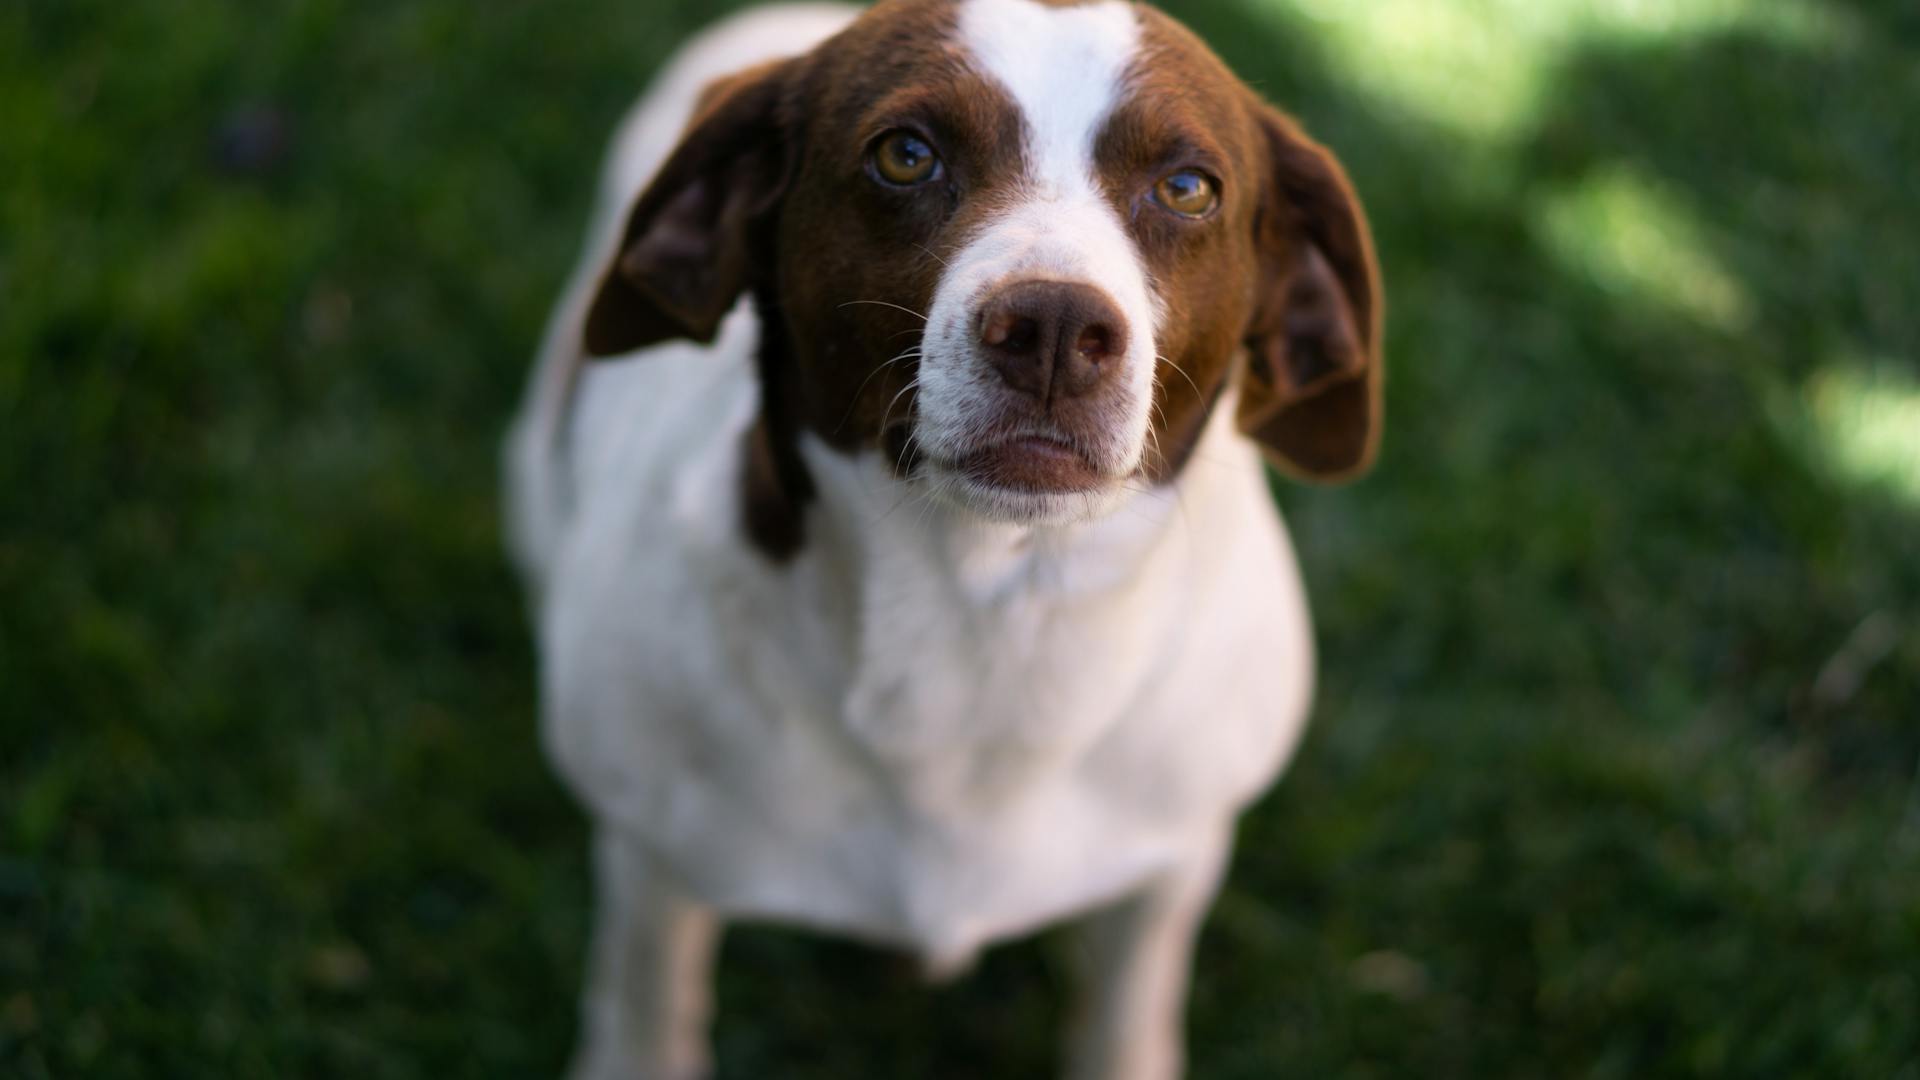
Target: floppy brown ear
{"x":686,"y":255}
{"x":1312,"y":396}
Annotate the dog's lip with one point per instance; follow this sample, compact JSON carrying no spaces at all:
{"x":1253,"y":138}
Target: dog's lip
{"x":1037,"y":464}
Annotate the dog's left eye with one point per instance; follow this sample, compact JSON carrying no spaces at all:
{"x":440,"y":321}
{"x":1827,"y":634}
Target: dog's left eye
{"x":1189,"y":193}
{"x":904,"y":159}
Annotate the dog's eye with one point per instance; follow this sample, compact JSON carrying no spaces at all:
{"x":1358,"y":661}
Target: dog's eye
{"x":904,"y":159}
{"x":1188,"y":193}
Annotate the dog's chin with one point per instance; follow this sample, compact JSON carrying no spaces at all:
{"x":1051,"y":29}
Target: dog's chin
{"x":1027,"y":481}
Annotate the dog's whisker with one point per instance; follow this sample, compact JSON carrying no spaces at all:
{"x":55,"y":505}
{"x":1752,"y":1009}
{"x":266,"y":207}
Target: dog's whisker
{"x":1183,"y":374}
{"x":886,"y":418}
{"x":886,"y":304}
{"x":932,"y":502}
{"x":910,"y":354}
{"x":1154,"y":437}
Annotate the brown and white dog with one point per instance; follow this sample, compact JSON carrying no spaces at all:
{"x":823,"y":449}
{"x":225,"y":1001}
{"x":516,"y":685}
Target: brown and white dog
{"x":915,"y":577}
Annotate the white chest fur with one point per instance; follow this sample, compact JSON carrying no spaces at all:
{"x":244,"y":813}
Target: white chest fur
{"x":924,"y":730}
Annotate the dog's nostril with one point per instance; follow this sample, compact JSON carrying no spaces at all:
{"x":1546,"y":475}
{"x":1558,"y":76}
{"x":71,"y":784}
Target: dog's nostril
{"x":1096,"y":343}
{"x":1026,"y":332}
{"x":1010,"y":331}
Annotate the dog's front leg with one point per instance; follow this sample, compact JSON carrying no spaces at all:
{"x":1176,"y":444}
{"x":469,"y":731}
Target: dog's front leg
{"x":1136,"y":962}
{"x":649,"y":992}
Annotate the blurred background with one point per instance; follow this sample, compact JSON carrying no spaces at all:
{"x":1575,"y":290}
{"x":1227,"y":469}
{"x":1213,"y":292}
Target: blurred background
{"x":1616,"y":771}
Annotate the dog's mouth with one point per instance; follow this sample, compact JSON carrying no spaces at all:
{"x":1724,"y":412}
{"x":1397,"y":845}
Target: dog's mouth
{"x":1025,"y":478}
{"x":1015,"y":474}
{"x":1030,"y":465}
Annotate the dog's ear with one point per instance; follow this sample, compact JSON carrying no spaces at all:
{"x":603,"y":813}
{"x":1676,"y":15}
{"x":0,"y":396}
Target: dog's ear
{"x":687,"y":252}
{"x":1312,"y":395}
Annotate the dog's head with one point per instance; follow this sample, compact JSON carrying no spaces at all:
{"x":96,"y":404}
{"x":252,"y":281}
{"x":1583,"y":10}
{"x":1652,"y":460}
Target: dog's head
{"x":1018,"y":247}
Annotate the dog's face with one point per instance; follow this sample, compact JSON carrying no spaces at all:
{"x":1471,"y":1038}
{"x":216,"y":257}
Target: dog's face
{"x":1017,"y":247}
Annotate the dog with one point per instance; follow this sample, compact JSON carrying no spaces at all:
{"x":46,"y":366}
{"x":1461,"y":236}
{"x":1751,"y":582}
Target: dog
{"x":914,"y":575}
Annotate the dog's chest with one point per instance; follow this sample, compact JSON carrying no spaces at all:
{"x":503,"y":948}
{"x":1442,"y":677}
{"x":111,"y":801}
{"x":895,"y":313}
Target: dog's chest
{"x":912,"y":732}
{"x":852,"y":784}
{"x":983,"y":667}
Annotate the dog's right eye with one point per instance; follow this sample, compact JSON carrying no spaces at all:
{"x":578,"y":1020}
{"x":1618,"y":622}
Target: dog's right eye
{"x":903,"y":159}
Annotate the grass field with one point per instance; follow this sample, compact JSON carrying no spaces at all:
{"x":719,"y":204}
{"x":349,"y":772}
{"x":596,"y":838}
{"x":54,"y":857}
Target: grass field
{"x":1616,"y":772}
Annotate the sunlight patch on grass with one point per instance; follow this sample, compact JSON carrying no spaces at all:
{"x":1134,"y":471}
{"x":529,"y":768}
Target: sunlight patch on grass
{"x":1481,"y":67}
{"x":1868,"y":422}
{"x":1636,"y":241}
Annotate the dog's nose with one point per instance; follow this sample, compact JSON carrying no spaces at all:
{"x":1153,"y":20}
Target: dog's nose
{"x":1053,"y":339}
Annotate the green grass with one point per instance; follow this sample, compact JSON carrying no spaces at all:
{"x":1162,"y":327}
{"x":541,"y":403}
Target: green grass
{"x":1616,"y":771}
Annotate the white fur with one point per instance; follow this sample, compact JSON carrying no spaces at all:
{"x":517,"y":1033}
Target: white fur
{"x":1065,"y":69}
{"x":929,"y":729}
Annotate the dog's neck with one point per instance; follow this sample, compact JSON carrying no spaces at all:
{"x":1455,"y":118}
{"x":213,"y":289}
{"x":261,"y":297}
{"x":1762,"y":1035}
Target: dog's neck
{"x":870,"y":518}
{"x":967,"y":641}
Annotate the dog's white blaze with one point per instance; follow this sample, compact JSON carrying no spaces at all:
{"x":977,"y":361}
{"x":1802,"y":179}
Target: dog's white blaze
{"x":1065,"y":67}
{"x":1065,"y":70}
